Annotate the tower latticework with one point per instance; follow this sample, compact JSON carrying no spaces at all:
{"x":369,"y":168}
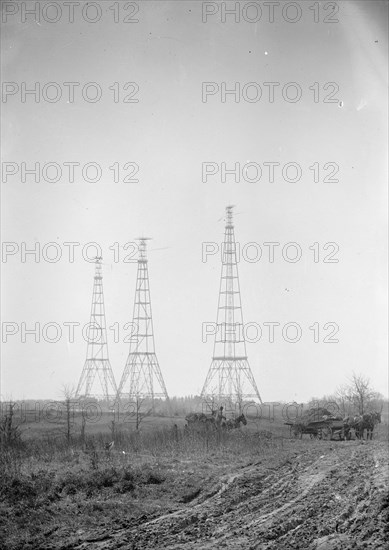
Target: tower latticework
{"x":142,"y":376}
{"x":97,"y":359}
{"x":230,"y":377}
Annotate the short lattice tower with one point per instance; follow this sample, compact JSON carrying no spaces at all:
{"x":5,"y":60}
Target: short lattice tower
{"x":142,"y":376}
{"x":97,"y":360}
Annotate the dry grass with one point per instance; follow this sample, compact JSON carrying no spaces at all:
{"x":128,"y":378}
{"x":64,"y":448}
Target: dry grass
{"x":52,"y":489}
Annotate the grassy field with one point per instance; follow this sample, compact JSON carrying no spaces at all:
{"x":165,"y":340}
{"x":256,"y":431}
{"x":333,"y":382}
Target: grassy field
{"x":54,"y":488}
{"x":57,"y":491}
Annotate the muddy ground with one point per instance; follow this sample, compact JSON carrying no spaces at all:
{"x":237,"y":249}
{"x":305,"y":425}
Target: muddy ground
{"x":327,"y":495}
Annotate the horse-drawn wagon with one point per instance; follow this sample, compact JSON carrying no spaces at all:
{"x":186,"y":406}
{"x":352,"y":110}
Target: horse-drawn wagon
{"x":320,"y":424}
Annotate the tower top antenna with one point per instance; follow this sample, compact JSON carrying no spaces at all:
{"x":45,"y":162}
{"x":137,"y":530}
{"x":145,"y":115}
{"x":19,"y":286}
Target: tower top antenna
{"x":229,"y":215}
{"x":142,"y":248}
{"x":144,"y":239}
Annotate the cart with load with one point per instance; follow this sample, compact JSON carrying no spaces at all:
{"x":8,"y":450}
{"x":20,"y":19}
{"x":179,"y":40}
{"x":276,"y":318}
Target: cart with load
{"x":320,"y":424}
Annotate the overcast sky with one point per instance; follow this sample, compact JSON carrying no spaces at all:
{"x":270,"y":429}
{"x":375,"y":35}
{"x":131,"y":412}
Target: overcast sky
{"x":169,"y":133}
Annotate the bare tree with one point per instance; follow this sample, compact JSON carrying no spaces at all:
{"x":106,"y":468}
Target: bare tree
{"x":9,"y":431}
{"x":360,"y":393}
{"x":139,"y":415}
{"x":83,"y":426}
{"x":342,"y":397}
{"x":68,"y":393}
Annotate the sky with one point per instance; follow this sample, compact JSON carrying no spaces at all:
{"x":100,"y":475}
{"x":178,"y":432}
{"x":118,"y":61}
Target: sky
{"x":169,"y":133}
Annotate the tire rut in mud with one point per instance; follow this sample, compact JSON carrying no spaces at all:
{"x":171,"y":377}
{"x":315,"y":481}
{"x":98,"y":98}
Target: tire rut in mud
{"x":328,"y":498}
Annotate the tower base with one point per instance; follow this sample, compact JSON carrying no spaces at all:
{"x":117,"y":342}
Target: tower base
{"x":230,"y":379}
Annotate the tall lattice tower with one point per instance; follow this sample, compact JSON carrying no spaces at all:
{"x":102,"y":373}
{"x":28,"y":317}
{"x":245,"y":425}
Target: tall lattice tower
{"x":229,"y":376}
{"x":142,"y":368}
{"x":97,"y":360}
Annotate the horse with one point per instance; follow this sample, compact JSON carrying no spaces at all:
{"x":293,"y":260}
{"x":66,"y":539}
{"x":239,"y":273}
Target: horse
{"x":366,"y":422}
{"x":349,"y":427}
{"x":232,"y":424}
{"x":201,"y":421}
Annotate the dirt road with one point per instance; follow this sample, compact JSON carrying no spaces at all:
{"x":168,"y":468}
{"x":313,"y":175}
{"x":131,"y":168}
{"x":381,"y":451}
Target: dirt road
{"x":324,"y":495}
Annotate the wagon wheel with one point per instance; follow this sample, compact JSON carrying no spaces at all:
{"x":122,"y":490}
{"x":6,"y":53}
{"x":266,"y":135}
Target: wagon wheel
{"x":326,"y":432}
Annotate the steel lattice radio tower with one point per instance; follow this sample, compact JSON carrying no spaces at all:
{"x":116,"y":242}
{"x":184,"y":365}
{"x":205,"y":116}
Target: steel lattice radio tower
{"x":229,"y":376}
{"x":97,"y":360}
{"x":142,"y":371}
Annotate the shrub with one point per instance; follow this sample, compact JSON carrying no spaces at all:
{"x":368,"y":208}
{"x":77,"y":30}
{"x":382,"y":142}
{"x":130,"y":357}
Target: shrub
{"x":152,"y":478}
